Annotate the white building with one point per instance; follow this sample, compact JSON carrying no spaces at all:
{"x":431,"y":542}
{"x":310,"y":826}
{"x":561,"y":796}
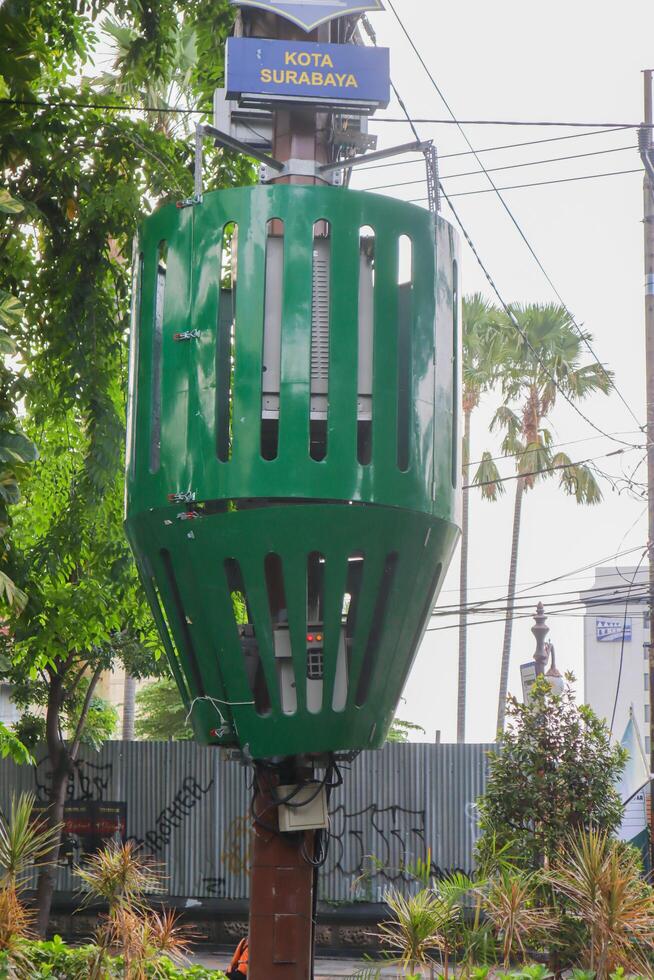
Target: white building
{"x":616,"y":631}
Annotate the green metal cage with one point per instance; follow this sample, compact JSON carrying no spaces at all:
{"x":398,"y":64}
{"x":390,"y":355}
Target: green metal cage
{"x":292,"y":468}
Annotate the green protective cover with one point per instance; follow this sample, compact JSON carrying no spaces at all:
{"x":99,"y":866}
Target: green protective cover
{"x":292,"y":506}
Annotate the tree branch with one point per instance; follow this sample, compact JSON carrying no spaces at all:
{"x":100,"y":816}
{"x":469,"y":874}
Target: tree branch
{"x":74,"y":749}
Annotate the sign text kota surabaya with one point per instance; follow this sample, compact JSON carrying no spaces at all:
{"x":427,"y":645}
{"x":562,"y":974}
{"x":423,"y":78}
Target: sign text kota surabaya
{"x":268,"y":70}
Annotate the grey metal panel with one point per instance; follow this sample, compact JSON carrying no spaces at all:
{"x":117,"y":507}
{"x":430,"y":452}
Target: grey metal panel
{"x":189,"y":808}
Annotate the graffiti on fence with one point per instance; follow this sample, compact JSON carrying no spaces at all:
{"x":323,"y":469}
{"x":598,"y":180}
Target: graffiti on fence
{"x":383,"y":843}
{"x":236,"y":852}
{"x":173,"y":814}
{"x":87,"y":781}
{"x":215,"y":887}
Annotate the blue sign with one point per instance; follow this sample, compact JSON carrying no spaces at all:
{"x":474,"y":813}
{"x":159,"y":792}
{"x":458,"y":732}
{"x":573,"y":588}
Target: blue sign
{"x":308,"y":14}
{"x":260,"y":70}
{"x":612,"y":630}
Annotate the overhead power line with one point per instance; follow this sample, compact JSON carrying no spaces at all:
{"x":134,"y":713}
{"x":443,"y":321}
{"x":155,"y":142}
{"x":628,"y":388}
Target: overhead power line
{"x":555,"y":445}
{"x":536,"y":183}
{"x":111,"y":107}
{"x":488,"y":149}
{"x":125,"y":107}
{"x":603,"y":592}
{"x":515,"y":122}
{"x":517,"y":326}
{"x":507,"y":166}
{"x":508,"y":210}
{"x":548,"y":469}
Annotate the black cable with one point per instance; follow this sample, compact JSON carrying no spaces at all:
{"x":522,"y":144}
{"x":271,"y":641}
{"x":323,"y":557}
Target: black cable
{"x":489,"y":149}
{"x":556,"y":445}
{"x":69,"y":104}
{"x":555,"y":606}
{"x":532,"y":586}
{"x":548,"y":469}
{"x":509,"y":212}
{"x":66,"y":103}
{"x":607,"y":590}
{"x":508,"y":166}
{"x":626,"y":607}
{"x":517,"y":327}
{"x":516,"y":122}
{"x":538,"y":183}
{"x":491,"y":281}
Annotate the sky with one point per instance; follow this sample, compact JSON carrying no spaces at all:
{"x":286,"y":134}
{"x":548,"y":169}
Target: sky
{"x":560,"y":61}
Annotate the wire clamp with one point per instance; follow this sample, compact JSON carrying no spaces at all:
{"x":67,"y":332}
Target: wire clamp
{"x":188,"y":497}
{"x":189,"y":202}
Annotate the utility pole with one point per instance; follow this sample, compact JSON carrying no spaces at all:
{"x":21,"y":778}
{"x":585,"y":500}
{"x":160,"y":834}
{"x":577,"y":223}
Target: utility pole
{"x":645,"y":145}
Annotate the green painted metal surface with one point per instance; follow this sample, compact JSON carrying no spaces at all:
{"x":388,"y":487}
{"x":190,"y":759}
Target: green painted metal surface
{"x":361,"y":548}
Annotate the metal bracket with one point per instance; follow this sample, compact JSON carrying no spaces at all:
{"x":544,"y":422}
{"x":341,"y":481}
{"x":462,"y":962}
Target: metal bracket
{"x":230,"y":143}
{"x":419,"y":146}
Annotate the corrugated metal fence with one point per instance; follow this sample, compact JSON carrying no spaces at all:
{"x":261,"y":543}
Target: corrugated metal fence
{"x":189,"y":808}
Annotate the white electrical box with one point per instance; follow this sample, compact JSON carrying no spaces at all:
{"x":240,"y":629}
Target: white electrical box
{"x":309,"y":815}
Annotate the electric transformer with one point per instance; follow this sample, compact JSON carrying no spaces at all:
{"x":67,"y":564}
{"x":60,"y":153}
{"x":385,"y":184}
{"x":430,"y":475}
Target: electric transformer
{"x":293,"y":471}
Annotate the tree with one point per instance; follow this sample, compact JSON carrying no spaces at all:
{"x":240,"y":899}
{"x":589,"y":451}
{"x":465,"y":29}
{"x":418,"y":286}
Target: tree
{"x":82,"y":174}
{"x":482,"y":359}
{"x":161,"y":715}
{"x":541,"y":360}
{"x":554,"y":773}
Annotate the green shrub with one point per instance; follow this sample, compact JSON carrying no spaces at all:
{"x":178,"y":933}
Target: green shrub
{"x":56,"y":960}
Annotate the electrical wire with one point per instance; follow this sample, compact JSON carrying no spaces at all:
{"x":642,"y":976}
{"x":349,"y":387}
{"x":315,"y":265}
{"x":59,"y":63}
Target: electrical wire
{"x":548,"y":469}
{"x":489,"y":149}
{"x":582,"y":334}
{"x":538,"y":183}
{"x":69,"y":103}
{"x":473,"y":248}
{"x":516,"y":122}
{"x":556,"y":445}
{"x":556,"y":605}
{"x":508,"y":166}
{"x":572,"y":575}
{"x":600,"y":590}
{"x":517,"y":326}
{"x":626,"y":607}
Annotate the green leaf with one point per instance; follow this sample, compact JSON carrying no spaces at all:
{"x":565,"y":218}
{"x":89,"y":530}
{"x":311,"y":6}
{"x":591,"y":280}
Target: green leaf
{"x":14,"y":446}
{"x":11,"y":313}
{"x":9,"y":204}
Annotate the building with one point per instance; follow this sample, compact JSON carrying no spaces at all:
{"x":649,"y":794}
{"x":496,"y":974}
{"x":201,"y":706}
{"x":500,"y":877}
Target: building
{"x":616,"y":631}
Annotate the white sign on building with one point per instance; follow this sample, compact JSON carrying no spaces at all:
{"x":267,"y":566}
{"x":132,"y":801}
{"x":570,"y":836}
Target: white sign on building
{"x":612,"y":630}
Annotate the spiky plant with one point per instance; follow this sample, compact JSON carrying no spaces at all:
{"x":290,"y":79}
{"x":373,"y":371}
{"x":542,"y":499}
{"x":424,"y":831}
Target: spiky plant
{"x":419,"y":925}
{"x":147,"y":941}
{"x":601,"y":878}
{"x":119,"y":875}
{"x":511,"y":903}
{"x":24,"y":842}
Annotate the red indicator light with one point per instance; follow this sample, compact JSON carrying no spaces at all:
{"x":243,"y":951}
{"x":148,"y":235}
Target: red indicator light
{"x":310,"y":637}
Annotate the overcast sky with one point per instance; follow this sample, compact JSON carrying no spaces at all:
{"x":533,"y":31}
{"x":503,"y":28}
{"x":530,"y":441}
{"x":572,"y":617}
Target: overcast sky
{"x":508,"y":60}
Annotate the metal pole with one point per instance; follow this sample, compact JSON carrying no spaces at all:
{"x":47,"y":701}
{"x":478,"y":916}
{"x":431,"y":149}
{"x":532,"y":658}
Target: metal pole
{"x":281,"y":932}
{"x":281,"y":894}
{"x":648,"y":225}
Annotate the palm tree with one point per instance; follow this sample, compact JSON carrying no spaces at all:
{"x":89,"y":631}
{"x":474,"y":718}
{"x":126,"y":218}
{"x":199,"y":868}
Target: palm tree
{"x":481,"y":361}
{"x":541,"y":361}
